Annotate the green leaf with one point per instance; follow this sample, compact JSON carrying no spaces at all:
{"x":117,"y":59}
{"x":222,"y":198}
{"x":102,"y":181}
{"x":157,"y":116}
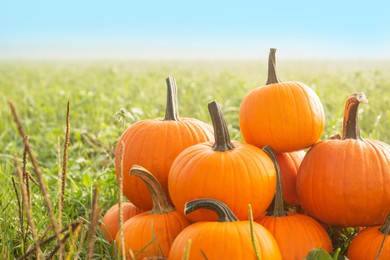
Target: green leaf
{"x":86,"y":180}
{"x":318,"y":254}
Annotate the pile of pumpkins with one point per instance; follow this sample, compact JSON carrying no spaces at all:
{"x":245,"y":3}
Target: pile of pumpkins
{"x":196,"y":194}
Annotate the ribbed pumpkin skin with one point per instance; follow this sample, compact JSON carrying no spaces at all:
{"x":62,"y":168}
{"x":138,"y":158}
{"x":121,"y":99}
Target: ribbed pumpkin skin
{"x":110,"y":221}
{"x":289,"y":165}
{"x":288,"y":116}
{"x":238,"y":177}
{"x":346,"y":182}
{"x":296,"y":234}
{"x":367,"y":243}
{"x":139,"y":235}
{"x":154,"y":144}
{"x":224,"y":240}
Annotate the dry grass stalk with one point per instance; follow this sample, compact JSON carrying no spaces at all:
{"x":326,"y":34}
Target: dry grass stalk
{"x":82,"y":238}
{"x":74,"y":239}
{"x":37,"y":170}
{"x":31,"y":178}
{"x":25,"y":173}
{"x":94,"y":222}
{"x":21,"y":218}
{"x":28,"y":208}
{"x":120,"y":199}
{"x":65,"y":155}
{"x":59,"y":191}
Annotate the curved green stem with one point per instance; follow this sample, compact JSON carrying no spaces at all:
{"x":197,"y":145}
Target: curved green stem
{"x":272,"y":77}
{"x":351,"y":128}
{"x":385,"y":229}
{"x":221,"y":132}
{"x":220,"y":208}
{"x":159,"y":198}
{"x":279,"y":198}
{"x":172,"y":108}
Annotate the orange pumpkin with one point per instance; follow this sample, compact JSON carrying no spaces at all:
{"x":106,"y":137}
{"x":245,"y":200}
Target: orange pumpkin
{"x":371,"y":243}
{"x":289,"y":164}
{"x":346,"y":182}
{"x":304,"y":233}
{"x":151,"y":234}
{"x":226,"y":239}
{"x":288,"y":116}
{"x":154,"y":144}
{"x":110,"y":221}
{"x":235,"y":173}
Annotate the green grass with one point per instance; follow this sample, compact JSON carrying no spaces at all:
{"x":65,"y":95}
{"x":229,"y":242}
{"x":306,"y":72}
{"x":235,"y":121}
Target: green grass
{"x":97,"y":91}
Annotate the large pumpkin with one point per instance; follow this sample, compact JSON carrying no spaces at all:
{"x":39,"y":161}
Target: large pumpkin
{"x":304,"y":233}
{"x":227,"y":238}
{"x":110,"y":221}
{"x":371,"y":243}
{"x":288,"y":116}
{"x":289,"y":164}
{"x":154,"y":144}
{"x":346,"y":182}
{"x":235,"y":173}
{"x":151,"y":234}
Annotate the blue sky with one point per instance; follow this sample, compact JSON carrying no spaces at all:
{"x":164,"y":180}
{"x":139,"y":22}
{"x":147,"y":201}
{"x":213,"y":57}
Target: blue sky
{"x":194,"y":29}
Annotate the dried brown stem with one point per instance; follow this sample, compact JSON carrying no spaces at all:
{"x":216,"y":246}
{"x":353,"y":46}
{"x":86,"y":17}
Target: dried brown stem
{"x":59,"y":195}
{"x":26,"y":174}
{"x":351,"y":128}
{"x":272,"y":77}
{"x":120,"y":198}
{"x":28,"y":208}
{"x":94,"y":222}
{"x":20,"y":211}
{"x":65,"y":155}
{"x":74,"y":239}
{"x":37,"y":170}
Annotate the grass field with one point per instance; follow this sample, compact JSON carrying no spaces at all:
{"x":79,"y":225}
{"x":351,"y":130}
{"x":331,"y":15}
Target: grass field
{"x":97,"y":91}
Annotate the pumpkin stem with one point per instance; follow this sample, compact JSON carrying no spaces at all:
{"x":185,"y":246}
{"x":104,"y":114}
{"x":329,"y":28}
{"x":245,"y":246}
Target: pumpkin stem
{"x":222,"y":210}
{"x":221,"y":132}
{"x":172,"y":109}
{"x":159,"y":198}
{"x":385,"y":229}
{"x":272,"y":77}
{"x":351,"y":128}
{"x":279,"y":198}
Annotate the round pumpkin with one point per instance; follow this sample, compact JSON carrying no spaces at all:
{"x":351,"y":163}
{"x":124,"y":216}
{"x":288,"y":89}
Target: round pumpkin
{"x":346,"y":181}
{"x":154,"y":144}
{"x":151,"y":234}
{"x":289,"y":164}
{"x":304,"y":233}
{"x":235,"y":173}
{"x":226,"y":238}
{"x":110,"y":221}
{"x":371,"y":243}
{"x":288,"y":116}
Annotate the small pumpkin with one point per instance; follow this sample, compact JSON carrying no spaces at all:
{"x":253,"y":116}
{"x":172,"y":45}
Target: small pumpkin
{"x":228,"y":238}
{"x":110,"y":221}
{"x":371,"y":243}
{"x":154,"y":144}
{"x":151,"y":234}
{"x":304,"y":232}
{"x":289,"y":164}
{"x":288,"y":116}
{"x":235,"y":173}
{"x":339,"y":179}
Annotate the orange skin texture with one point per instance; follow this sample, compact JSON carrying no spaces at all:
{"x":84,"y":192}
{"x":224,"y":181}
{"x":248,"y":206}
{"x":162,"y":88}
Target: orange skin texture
{"x":287,"y":116}
{"x":238,"y":177}
{"x":224,"y":240}
{"x":154,"y":144}
{"x":289,"y":164}
{"x":151,"y":235}
{"x":110,"y":221}
{"x":367,"y":243}
{"x":296,"y":234}
{"x":346,"y":182}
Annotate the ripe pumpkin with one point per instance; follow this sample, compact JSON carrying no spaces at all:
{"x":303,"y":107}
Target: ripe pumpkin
{"x":110,"y":221}
{"x":371,"y":243}
{"x":227,"y":238}
{"x":289,"y":164}
{"x":304,"y":233}
{"x":235,"y":173}
{"x":154,"y":144}
{"x":346,"y":182}
{"x":288,"y":116}
{"x":151,"y":234}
